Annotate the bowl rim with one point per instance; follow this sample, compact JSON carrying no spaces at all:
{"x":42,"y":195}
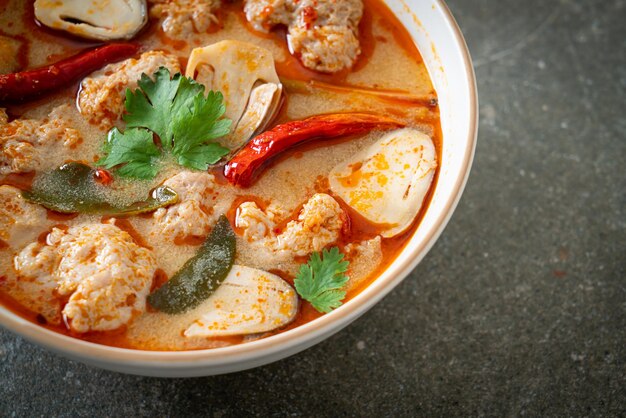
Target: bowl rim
{"x":293,"y":340}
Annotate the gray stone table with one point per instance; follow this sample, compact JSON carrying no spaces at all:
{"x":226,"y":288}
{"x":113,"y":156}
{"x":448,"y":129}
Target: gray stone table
{"x":519,"y":309}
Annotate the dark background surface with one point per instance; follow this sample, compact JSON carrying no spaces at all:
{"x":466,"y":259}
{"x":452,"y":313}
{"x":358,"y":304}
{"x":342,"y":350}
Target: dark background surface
{"x":519,"y":309}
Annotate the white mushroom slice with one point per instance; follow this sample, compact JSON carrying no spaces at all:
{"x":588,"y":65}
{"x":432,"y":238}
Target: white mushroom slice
{"x":249,"y":301}
{"x":246,"y":76}
{"x":262,"y":106}
{"x":93,"y":19}
{"x":387,"y":182}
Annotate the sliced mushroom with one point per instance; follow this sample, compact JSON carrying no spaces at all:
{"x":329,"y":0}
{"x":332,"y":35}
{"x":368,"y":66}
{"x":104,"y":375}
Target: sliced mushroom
{"x":246,"y":76}
{"x":249,"y":301}
{"x":387,"y":182}
{"x":94,"y":19}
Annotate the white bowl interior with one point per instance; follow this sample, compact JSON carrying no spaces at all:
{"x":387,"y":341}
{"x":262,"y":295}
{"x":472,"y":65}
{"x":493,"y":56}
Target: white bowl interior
{"x":443,"y":49}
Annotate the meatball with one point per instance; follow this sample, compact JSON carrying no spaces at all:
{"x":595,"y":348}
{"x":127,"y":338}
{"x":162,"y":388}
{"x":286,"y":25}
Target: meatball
{"x":102,"y":94}
{"x":181,"y":18}
{"x":25,"y":143}
{"x":104,"y":275}
{"x":319,"y":224}
{"x":323,"y":33}
{"x":199,"y":206}
{"x":256,"y":223}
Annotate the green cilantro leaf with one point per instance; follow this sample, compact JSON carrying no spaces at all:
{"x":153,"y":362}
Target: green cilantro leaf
{"x":201,"y":156}
{"x":176,"y":110}
{"x":321,"y":280}
{"x":150,"y":106}
{"x":135,"y":149}
{"x":188,"y":90}
{"x":196,"y":125}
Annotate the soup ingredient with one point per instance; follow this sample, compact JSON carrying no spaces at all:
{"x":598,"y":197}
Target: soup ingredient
{"x":131,"y":154}
{"x":245,"y":165}
{"x":319,"y":224}
{"x":73,"y":188}
{"x":102,"y":94}
{"x":246,"y":75}
{"x":201,"y":275}
{"x":183,"y":118}
{"x":98,"y":268}
{"x":181,"y":18}
{"x":34,"y":285}
{"x":201,"y":202}
{"x":321,"y":280}
{"x":29,"y":84}
{"x":94,"y":19}
{"x":249,"y":301}
{"x":20,"y":221}
{"x":387,"y":182}
{"x":9,"y":49}
{"x":25,"y":144}
{"x":322,"y":33}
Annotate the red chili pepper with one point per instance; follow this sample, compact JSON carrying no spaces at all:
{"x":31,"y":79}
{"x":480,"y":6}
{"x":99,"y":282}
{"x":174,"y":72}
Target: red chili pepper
{"x":26,"y":85}
{"x":243,"y":167}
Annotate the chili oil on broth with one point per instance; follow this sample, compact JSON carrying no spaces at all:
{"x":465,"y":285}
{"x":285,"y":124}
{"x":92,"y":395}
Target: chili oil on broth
{"x":289,"y":180}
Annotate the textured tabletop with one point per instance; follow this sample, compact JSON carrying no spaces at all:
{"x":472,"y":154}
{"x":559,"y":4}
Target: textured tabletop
{"x":520,"y":307}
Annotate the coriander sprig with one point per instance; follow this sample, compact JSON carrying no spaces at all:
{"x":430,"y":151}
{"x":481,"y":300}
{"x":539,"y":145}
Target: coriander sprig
{"x":321,"y":280}
{"x":176,"y":110}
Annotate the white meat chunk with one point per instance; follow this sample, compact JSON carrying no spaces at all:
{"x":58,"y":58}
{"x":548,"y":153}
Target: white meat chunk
{"x":102,"y":93}
{"x":98,"y":268}
{"x":319,"y":224}
{"x":327,"y":49}
{"x":256,"y":223}
{"x":20,"y":221}
{"x":35,"y":286}
{"x":322,"y":33}
{"x":181,"y":18}
{"x":197,"y":210}
{"x":25,"y":143}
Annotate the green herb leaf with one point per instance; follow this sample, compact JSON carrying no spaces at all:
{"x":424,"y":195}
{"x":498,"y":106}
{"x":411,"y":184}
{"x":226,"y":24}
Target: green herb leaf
{"x":135,"y":149}
{"x":321,"y":280}
{"x":72,"y":188}
{"x":176,"y":110}
{"x":201,"y":275}
{"x":150,"y":106}
{"x":195,"y":126}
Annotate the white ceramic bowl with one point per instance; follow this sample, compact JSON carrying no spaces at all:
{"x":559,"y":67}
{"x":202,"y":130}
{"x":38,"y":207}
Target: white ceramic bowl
{"x":445,"y":53}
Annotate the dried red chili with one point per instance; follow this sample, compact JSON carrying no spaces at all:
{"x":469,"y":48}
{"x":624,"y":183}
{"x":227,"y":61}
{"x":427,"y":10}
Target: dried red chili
{"x":28,"y":84}
{"x":243,"y":167}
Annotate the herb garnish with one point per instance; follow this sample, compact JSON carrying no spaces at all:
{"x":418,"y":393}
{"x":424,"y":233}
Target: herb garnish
{"x":177,"y":111}
{"x":320,"y":281}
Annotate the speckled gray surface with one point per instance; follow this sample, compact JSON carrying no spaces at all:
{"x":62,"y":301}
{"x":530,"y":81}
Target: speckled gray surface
{"x":519,"y":309}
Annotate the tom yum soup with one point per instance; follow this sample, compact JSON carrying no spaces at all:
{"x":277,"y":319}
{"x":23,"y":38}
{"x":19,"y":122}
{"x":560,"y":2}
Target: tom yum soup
{"x":179,"y":175}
